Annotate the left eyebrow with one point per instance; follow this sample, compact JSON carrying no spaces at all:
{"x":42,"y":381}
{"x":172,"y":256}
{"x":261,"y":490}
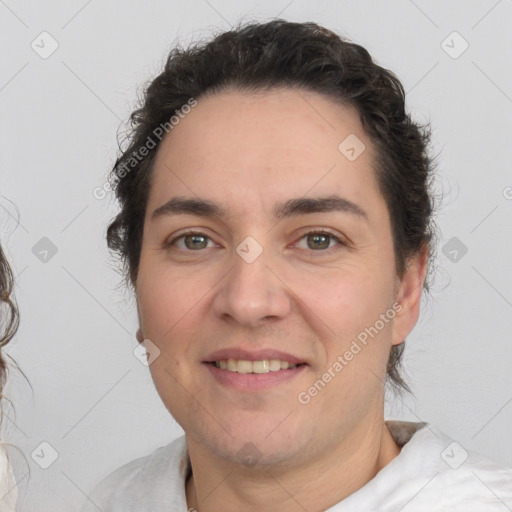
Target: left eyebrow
{"x":305,"y":205}
{"x":290,"y":208}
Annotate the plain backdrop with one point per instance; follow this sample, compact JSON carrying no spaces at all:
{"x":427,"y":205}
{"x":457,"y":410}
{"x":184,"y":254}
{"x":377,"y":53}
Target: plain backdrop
{"x":88,"y":399}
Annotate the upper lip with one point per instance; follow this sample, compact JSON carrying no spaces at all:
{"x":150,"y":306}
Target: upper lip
{"x":252,"y":355}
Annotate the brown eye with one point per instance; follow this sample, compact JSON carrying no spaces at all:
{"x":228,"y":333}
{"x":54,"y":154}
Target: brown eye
{"x":319,"y":241}
{"x":195,"y":241}
{"x":192,"y":241}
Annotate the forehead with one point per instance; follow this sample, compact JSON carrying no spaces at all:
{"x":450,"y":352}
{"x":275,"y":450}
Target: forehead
{"x":273,"y":144}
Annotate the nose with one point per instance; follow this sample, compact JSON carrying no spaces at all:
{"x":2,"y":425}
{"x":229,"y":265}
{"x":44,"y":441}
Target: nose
{"x":252,"y":293}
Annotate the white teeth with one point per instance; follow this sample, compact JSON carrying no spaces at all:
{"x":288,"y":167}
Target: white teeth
{"x":260,"y":366}
{"x":245,"y":366}
{"x":275,"y":365}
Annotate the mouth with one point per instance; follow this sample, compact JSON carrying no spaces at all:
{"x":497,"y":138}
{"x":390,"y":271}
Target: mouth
{"x":253,"y":371}
{"x":246,"y":366}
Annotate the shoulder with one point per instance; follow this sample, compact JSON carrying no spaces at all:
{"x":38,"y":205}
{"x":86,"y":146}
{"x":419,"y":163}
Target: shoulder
{"x":121,"y":490}
{"x":442,"y":471}
{"x":473,"y":478}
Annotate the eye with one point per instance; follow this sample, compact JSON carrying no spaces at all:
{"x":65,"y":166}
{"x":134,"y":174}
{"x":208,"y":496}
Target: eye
{"x":193,"y":240}
{"x":320,"y":240}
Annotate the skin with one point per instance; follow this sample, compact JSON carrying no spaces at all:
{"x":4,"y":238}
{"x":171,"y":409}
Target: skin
{"x":248,"y":152}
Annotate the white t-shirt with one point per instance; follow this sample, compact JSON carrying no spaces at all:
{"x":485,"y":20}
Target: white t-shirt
{"x":431,"y":473}
{"x":8,"y":488}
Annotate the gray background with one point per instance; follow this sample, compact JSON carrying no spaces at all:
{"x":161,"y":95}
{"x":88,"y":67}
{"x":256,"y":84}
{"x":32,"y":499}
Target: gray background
{"x":89,"y":397}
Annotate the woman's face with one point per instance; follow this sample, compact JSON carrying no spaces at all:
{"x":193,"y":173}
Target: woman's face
{"x":248,"y":286}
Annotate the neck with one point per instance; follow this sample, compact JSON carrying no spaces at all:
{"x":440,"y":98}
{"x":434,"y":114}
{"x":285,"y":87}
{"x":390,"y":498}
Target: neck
{"x":314,"y":485}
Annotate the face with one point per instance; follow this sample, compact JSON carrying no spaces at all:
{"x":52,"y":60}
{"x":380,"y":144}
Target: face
{"x":271,"y":274}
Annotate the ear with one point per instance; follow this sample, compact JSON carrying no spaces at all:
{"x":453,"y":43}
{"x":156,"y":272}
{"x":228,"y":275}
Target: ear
{"x":410,"y":288}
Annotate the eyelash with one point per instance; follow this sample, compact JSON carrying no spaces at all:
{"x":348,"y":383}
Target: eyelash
{"x":340,"y":242}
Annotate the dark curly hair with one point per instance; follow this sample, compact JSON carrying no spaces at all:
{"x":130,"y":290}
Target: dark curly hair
{"x":305,"y":56}
{"x":9,"y":316}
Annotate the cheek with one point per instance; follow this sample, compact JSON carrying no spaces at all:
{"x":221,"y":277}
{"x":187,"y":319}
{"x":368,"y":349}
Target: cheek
{"x":169,"y":385}
{"x":165,"y":302}
{"x":167,"y":317}
{"x":351,"y":305}
{"x":349,"y":297}
{"x":169,"y":304}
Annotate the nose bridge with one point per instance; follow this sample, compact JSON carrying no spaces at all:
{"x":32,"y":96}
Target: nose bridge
{"x":251,"y":291}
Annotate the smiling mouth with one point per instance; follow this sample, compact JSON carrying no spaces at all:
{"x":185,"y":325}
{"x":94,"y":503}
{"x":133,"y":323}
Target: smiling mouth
{"x":263,"y":366}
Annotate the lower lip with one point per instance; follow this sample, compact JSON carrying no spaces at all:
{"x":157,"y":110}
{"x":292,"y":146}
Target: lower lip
{"x":253,"y":381}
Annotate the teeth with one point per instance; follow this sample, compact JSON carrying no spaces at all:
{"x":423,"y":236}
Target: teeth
{"x":244,"y":366}
{"x":274,"y":365}
{"x":260,"y":366}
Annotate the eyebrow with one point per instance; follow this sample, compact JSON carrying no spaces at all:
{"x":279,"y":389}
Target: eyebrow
{"x":290,"y":208}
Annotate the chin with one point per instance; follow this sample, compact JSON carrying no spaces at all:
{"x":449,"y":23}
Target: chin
{"x":255,"y":446}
